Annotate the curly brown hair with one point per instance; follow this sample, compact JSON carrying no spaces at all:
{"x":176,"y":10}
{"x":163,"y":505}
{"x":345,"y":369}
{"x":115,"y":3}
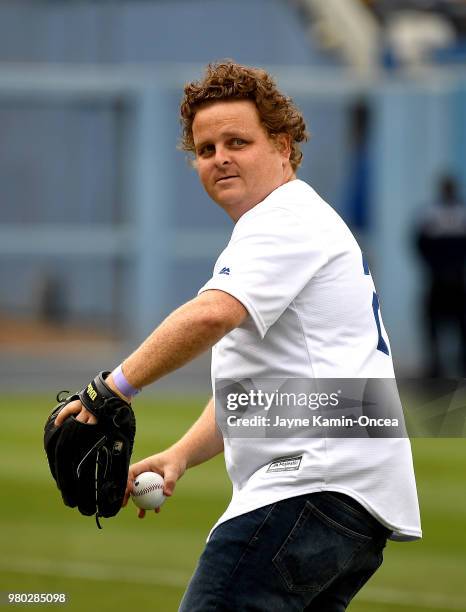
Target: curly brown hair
{"x":227,"y":80}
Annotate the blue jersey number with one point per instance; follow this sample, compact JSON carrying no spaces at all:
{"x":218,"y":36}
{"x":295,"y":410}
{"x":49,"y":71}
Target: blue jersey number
{"x":381,"y":344}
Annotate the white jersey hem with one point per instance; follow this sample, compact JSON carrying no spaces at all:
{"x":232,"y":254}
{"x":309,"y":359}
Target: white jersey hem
{"x":399,"y":533}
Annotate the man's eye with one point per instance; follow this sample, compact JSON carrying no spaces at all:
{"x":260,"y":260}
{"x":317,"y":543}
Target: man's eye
{"x":238,"y":141}
{"x":205,"y":150}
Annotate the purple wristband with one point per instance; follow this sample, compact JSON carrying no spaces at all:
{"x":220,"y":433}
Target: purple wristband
{"x":123,"y":386}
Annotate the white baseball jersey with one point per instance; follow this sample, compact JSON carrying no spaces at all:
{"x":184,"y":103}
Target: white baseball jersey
{"x":299,"y":272}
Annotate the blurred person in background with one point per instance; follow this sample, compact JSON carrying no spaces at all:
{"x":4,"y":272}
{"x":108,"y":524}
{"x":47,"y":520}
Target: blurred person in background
{"x":290,"y":297}
{"x":358,"y":184}
{"x":441,"y":243}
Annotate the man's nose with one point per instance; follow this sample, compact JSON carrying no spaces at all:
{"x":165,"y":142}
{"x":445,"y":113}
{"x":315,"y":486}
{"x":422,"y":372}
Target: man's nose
{"x":222,"y":156}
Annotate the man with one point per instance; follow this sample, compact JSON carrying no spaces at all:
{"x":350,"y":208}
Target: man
{"x":290,"y":298}
{"x":441,"y":242}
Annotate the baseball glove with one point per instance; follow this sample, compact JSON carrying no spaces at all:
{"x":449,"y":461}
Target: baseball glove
{"x":90,"y":462}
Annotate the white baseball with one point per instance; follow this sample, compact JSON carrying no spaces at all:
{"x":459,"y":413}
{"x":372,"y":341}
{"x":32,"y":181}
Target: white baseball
{"x":148,"y":491}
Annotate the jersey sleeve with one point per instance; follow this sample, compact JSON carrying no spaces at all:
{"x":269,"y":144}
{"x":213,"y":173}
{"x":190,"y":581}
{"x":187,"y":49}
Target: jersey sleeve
{"x":268,"y":261}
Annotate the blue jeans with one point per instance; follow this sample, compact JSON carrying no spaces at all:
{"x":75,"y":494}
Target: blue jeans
{"x":309,"y":553}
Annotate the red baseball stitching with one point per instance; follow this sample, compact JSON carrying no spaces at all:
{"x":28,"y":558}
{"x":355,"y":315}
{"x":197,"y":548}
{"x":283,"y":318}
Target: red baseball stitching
{"x":148,"y":489}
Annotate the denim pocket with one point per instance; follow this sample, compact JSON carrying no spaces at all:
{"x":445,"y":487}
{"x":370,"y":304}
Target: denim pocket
{"x":317,"y":550}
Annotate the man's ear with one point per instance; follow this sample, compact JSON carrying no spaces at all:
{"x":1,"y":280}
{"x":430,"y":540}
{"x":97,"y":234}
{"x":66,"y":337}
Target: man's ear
{"x":283,"y":144}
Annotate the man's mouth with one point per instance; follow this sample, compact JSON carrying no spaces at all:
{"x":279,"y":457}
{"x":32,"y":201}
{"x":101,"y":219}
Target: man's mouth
{"x":226,"y":178}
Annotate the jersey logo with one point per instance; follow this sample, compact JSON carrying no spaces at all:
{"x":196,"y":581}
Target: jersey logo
{"x":225,"y":271}
{"x":285,"y":464}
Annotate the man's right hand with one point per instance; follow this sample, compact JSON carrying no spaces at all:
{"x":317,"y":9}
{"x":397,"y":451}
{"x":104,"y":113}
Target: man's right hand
{"x":167,"y":463}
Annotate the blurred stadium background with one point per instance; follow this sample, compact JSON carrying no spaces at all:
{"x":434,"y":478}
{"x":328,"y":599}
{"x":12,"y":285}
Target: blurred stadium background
{"x":104,"y":229}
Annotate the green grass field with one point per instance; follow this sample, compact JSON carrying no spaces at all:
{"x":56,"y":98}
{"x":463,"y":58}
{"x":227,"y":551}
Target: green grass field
{"x":135,"y":564}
